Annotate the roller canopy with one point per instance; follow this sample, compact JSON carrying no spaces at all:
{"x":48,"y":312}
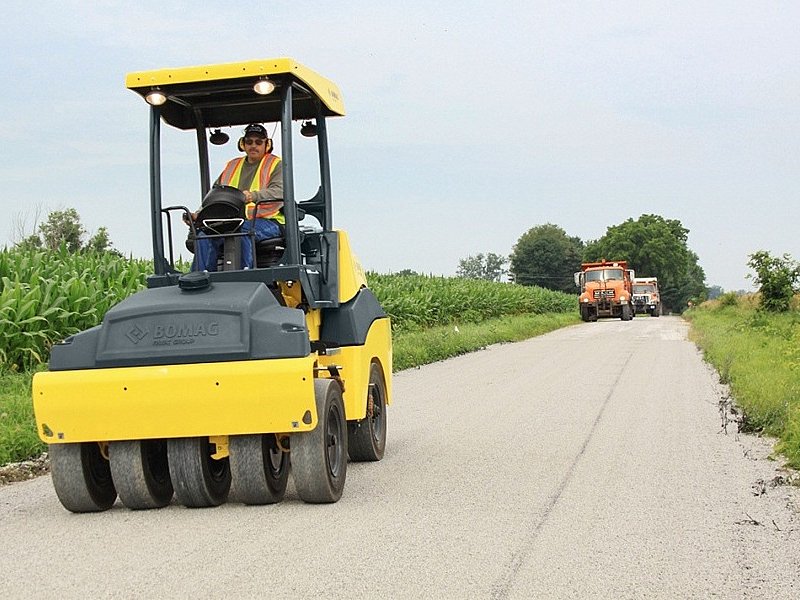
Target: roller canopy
{"x":222,"y":95}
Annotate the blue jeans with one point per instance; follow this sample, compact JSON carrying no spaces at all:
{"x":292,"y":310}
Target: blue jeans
{"x":206,"y":250}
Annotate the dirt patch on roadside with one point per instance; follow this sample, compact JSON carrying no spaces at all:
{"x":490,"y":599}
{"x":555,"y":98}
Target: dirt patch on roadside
{"x":27,"y":469}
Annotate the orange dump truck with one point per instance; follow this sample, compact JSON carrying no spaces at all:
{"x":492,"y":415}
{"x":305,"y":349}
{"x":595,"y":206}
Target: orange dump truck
{"x":606,"y":290}
{"x":645,"y":296}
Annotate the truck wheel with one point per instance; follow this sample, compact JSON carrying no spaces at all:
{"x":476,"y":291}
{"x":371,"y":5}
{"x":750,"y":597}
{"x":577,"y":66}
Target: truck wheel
{"x":259,"y":469}
{"x":82,"y":477}
{"x":656,"y":311}
{"x":626,"y":314}
{"x":199,"y":480}
{"x":584,"y":313}
{"x":366,"y":439}
{"x":141,"y":473}
{"x":319,"y":456}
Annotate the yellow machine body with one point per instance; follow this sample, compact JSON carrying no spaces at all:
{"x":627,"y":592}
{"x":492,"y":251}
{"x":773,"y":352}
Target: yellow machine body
{"x":175,"y":401}
{"x":212,"y":399}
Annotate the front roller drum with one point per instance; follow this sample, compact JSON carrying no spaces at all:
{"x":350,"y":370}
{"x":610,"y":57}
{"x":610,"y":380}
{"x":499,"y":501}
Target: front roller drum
{"x":199,"y":480}
{"x":319,"y":456}
{"x":82,"y":477}
{"x":141,"y":473}
{"x":259,"y":469}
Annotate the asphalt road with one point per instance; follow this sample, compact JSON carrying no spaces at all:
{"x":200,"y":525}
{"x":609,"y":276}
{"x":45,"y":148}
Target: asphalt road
{"x":587,"y":463}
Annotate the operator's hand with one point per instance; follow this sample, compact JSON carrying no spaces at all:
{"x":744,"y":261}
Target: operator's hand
{"x":194,"y":218}
{"x":248,"y":196}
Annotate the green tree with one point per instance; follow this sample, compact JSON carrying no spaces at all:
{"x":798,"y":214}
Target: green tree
{"x":655,"y":247}
{"x":546,"y":256}
{"x":63,"y":227}
{"x":32,"y":241}
{"x":490,"y":267}
{"x":777,"y":276}
{"x":715,"y":291}
{"x":100,"y":242}
{"x":693,"y":284}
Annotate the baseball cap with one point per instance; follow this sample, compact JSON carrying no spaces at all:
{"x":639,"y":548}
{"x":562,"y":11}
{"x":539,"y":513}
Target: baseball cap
{"x":256,"y":130}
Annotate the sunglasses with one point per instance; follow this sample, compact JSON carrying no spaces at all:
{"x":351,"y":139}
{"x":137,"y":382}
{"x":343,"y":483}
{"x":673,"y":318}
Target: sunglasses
{"x":253,"y":141}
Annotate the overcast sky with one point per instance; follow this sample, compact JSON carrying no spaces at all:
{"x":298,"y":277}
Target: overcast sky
{"x":467,"y":123}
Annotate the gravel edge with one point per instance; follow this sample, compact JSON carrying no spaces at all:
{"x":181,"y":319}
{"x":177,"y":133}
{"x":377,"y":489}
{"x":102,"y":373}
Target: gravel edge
{"x":25,"y":470}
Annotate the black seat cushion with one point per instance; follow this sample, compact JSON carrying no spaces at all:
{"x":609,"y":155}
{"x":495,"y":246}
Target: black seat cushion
{"x":270,"y":251}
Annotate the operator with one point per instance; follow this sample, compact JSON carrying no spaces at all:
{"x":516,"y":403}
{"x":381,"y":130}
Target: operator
{"x":259,"y":175}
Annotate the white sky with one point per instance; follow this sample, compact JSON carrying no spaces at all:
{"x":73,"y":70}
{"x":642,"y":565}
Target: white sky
{"x":467,"y":124}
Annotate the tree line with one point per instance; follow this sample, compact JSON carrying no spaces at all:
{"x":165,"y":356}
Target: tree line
{"x":64,"y":228}
{"x":546,"y":256}
{"x":653,"y":246}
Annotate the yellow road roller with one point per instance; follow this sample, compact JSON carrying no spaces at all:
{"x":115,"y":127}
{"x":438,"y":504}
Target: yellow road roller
{"x":211,"y":386}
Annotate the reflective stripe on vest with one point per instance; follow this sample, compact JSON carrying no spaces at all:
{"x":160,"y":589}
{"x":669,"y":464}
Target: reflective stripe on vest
{"x":232,"y":173}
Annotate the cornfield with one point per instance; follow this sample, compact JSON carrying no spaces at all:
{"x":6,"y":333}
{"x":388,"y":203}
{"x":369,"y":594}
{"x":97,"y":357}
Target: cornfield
{"x":46,"y":296}
{"x":419,"y":301}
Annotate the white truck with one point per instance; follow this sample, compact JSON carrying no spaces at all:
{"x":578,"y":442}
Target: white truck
{"x":646,"y":298}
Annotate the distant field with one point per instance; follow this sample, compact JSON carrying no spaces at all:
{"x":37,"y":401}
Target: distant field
{"x":418,"y":301}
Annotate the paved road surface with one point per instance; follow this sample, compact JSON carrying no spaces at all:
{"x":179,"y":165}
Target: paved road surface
{"x":587,"y":463}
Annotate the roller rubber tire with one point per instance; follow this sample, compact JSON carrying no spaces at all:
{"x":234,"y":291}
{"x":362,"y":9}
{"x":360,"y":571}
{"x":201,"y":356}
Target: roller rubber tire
{"x":82,"y":477}
{"x":366,"y":439}
{"x":319,"y":456}
{"x":259,"y":469}
{"x":141,"y":473}
{"x":199,"y":480}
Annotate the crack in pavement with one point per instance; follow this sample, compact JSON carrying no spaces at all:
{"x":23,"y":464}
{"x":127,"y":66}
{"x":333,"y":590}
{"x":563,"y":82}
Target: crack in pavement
{"x":500,"y":590}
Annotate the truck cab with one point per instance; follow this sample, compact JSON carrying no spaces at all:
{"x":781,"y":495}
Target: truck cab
{"x":646,"y":298}
{"x":606,"y":290}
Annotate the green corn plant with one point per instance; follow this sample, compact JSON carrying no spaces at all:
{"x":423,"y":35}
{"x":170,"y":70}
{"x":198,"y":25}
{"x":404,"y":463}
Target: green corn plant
{"x":46,"y":296}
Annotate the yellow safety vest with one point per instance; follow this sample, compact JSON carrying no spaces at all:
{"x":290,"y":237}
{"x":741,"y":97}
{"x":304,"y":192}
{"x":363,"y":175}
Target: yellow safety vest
{"x":233,"y":171}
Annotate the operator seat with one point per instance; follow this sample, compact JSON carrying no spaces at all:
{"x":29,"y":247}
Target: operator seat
{"x":270,"y":250}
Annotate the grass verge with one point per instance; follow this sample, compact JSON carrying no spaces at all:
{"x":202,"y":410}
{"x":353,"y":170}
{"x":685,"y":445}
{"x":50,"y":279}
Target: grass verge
{"x":18,"y":439}
{"x":415,"y":348}
{"x":758,"y":355}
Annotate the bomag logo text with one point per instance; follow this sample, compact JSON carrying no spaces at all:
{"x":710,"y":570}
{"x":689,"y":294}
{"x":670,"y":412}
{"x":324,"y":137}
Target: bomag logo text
{"x":184,"y":333}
